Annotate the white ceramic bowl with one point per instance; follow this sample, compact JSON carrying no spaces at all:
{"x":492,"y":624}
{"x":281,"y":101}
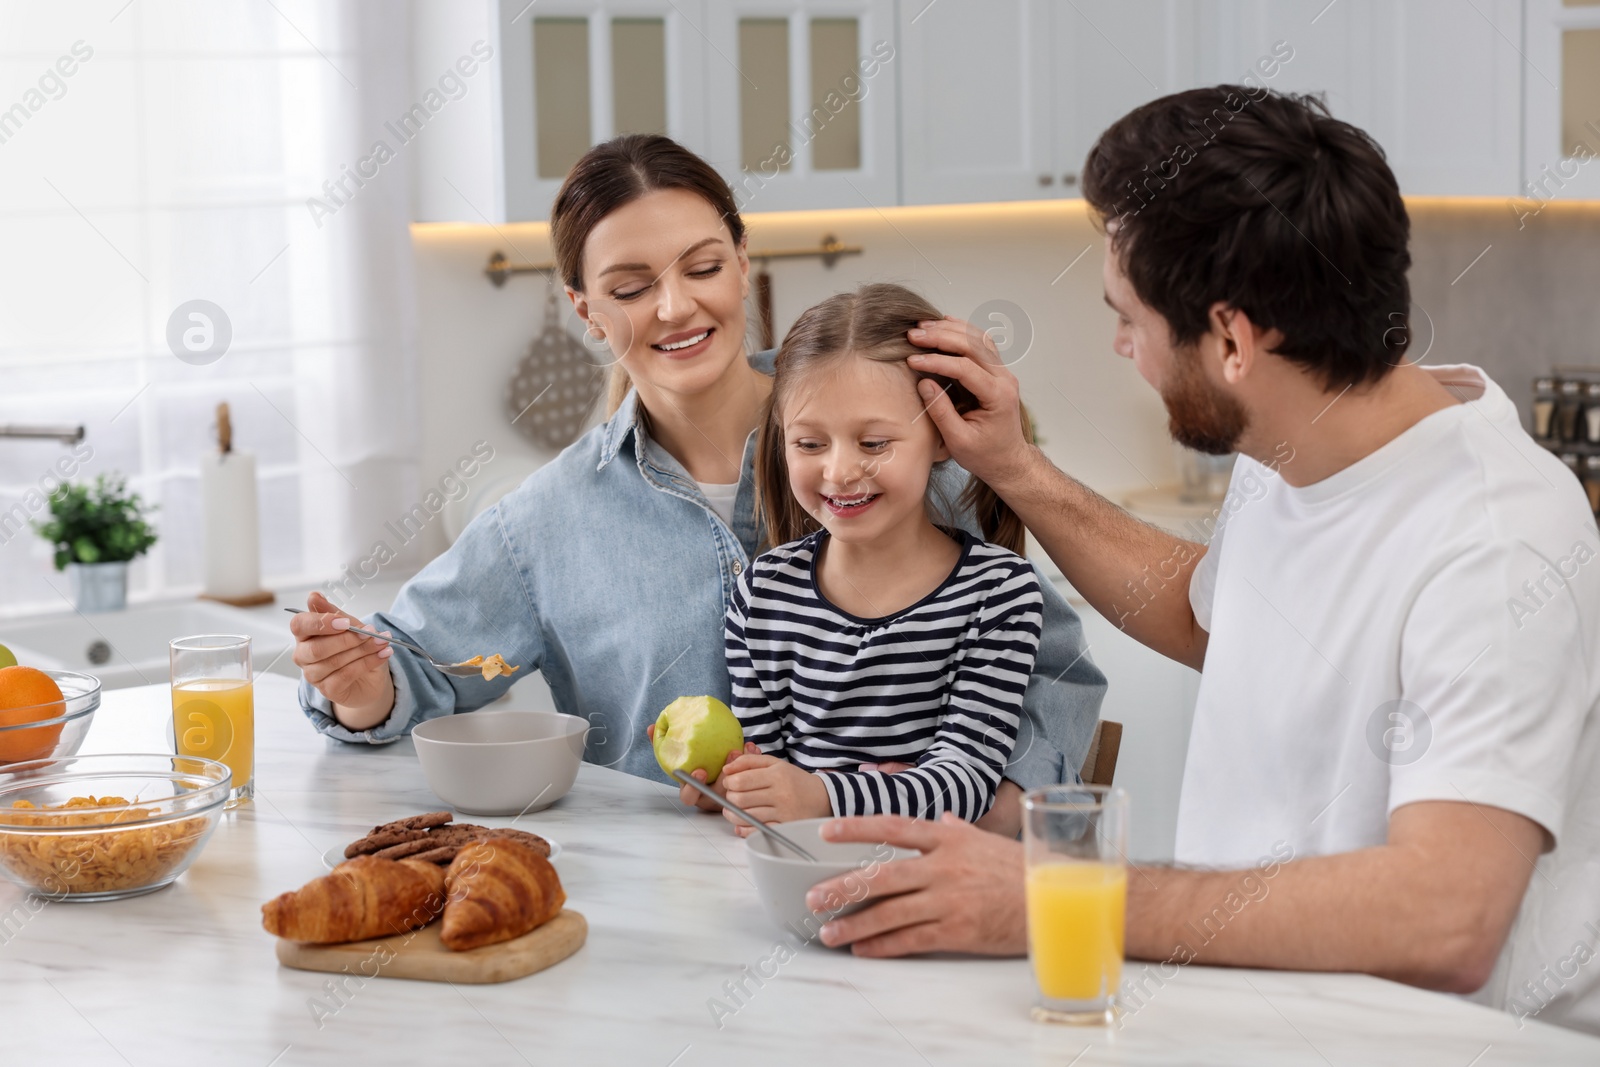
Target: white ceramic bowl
{"x":783,"y":878}
{"x":500,"y":762}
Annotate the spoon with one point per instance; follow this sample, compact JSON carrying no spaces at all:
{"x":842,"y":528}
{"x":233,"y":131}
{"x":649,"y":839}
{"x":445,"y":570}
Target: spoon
{"x":455,"y":670}
{"x":745,"y":815}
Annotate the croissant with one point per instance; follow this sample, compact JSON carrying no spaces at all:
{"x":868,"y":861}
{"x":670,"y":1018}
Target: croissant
{"x":498,"y":889}
{"x":362,"y":898}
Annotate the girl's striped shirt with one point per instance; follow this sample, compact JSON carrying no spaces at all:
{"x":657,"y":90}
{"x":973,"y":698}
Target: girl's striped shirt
{"x":938,"y":684}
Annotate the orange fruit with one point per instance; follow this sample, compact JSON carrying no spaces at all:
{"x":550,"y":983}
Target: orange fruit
{"x":28,"y":695}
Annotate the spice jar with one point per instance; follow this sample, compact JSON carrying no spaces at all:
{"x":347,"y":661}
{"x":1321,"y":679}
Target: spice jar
{"x":1544,"y":408}
{"x":1568,"y":409}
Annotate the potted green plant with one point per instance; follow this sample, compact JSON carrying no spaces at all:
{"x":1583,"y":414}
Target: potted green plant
{"x":96,"y":531}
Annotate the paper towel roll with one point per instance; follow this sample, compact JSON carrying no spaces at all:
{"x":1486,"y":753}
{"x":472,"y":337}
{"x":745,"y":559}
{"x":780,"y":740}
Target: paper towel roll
{"x":231,"y":526}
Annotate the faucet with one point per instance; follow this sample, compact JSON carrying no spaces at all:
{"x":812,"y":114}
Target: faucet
{"x":67,"y":435}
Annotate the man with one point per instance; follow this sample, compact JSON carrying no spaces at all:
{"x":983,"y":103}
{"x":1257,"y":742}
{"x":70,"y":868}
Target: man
{"x":1397,"y":618}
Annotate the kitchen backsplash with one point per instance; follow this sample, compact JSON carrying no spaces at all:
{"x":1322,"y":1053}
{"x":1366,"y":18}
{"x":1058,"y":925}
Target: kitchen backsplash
{"x":1495,"y":283}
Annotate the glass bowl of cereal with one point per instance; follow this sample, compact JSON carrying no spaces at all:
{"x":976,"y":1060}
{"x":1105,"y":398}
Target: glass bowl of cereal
{"x":105,"y":827}
{"x":44,"y":714}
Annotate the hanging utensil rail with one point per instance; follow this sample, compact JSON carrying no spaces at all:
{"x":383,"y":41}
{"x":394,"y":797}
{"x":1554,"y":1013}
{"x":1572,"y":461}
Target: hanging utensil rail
{"x":500,"y":268}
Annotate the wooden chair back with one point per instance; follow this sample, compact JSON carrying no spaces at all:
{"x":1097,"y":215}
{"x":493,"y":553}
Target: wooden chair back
{"x":1100,"y":764}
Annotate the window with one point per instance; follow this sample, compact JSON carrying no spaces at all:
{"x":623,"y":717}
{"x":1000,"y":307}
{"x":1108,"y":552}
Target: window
{"x":160,"y":154}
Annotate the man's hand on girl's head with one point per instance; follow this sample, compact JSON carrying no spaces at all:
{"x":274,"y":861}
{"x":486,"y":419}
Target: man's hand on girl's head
{"x":988,"y":441}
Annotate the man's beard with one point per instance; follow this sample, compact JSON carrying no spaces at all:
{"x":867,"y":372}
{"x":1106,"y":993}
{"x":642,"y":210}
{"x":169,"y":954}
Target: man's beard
{"x":1199,"y":415}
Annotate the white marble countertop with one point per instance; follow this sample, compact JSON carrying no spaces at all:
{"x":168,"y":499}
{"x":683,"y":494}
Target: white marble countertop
{"x":187,"y":974}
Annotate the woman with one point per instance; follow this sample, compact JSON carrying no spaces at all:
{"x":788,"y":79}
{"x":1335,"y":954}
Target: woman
{"x":609,"y":569}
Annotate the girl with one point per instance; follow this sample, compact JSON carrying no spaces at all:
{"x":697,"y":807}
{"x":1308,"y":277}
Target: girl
{"x":874,"y":635}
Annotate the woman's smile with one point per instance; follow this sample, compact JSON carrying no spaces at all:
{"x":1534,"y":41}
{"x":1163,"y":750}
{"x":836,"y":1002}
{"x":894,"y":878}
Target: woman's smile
{"x":685,"y":343}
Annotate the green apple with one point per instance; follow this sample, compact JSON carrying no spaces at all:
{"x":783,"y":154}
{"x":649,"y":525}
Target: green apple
{"x":7,"y":659}
{"x":696,"y":733}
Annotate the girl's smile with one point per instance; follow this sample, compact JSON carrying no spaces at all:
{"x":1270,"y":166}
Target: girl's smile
{"x":849,"y":507}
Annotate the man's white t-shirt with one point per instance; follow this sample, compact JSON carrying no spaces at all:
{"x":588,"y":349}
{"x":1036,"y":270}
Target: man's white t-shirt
{"x":1422,"y":625}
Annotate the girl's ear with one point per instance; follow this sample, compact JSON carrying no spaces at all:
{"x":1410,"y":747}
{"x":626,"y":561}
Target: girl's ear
{"x":941,"y":453}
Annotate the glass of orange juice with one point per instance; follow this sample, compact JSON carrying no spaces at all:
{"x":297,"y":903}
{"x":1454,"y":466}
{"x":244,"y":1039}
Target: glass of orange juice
{"x":213,"y":705}
{"x":1075,"y":840}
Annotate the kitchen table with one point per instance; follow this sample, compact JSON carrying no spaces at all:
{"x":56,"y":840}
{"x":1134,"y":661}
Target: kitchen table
{"x":671,"y":974}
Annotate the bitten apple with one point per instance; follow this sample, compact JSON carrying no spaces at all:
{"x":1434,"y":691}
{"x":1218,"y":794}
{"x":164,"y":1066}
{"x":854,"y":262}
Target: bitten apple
{"x":696,"y":733}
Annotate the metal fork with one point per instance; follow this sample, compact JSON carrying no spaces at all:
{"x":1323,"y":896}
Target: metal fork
{"x":454,"y":670}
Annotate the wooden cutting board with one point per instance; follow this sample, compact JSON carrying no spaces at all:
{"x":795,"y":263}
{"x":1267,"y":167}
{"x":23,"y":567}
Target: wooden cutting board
{"x":421,"y":955}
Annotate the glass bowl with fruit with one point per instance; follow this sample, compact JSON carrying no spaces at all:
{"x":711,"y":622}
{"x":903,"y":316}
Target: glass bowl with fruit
{"x":44,"y":714}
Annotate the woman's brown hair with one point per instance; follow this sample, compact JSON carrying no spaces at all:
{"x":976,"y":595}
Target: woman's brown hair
{"x":614,"y":174}
{"x":871,"y":323}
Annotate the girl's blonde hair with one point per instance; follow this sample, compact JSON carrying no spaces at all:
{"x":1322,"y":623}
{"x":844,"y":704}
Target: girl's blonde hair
{"x":872,"y":323}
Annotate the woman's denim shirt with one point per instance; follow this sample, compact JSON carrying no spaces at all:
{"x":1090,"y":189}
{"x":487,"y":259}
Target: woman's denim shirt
{"x":608,"y":571}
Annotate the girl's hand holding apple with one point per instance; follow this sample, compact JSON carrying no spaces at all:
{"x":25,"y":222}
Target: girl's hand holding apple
{"x":693,"y":797}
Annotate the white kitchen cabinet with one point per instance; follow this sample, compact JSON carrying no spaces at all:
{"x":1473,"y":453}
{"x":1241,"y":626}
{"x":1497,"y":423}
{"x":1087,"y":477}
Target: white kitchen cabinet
{"x":1447,"y":95}
{"x":1110,"y":56}
{"x":990,"y":115}
{"x":1437,"y":83}
{"x":976,"y":118}
{"x":800,"y":101}
{"x":1561,"y":119}
{"x":856,"y":103}
{"x":456,"y":172}
{"x":1003,"y":98}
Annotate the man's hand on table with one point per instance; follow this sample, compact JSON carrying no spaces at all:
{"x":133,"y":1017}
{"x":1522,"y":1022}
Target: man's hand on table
{"x":351,"y":671}
{"x":963,"y":894}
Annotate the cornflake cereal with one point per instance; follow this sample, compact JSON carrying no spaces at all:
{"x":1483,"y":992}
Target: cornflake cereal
{"x":492,"y":666}
{"x":103,"y":860}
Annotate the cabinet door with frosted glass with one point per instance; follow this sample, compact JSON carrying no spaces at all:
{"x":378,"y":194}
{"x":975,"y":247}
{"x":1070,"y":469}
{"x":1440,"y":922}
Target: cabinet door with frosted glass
{"x":575,"y":73}
{"x":1561,"y":142}
{"x":800,"y":102}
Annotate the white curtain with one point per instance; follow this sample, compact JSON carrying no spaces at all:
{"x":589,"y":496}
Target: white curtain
{"x":158,"y":152}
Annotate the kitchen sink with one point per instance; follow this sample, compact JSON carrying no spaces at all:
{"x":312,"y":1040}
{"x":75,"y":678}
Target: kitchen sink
{"x":127,"y":648}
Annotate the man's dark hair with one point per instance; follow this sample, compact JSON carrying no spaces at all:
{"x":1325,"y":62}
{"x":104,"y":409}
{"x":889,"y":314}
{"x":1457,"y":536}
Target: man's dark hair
{"x":1264,"y":202}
